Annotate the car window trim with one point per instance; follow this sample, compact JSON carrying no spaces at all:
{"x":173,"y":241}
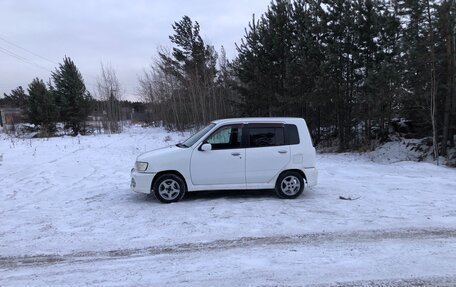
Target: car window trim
{"x":266,"y":125}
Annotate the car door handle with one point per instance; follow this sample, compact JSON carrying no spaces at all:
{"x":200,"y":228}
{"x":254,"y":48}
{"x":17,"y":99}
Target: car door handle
{"x":283,"y":151}
{"x":235,"y":154}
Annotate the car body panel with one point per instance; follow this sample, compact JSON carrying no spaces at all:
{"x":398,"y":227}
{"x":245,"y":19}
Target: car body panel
{"x":206,"y":167}
{"x":264,"y":163}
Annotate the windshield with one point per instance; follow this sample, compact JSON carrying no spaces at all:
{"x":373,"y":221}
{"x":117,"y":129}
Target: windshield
{"x":194,"y":138}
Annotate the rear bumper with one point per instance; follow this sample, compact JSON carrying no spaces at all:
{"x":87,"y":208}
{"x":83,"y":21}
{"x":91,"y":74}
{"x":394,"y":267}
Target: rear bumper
{"x":311,"y":176}
{"x":141,"y":182}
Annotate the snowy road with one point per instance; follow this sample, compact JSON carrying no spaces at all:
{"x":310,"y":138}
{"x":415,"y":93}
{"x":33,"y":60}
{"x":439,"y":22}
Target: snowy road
{"x":68,"y":218}
{"x":244,"y":242}
{"x":310,"y":259}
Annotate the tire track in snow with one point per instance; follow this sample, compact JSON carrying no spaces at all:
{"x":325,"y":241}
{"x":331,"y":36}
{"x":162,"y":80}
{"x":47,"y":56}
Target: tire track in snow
{"x":244,"y":242}
{"x":27,"y":169}
{"x":448,"y":281}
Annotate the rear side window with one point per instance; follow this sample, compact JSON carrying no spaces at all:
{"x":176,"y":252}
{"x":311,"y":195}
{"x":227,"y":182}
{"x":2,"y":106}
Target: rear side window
{"x":266,"y":136}
{"x":291,"y":134}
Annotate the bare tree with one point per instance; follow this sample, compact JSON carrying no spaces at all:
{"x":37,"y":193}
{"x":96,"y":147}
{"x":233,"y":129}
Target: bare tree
{"x":161,"y":90}
{"x":109,"y":92}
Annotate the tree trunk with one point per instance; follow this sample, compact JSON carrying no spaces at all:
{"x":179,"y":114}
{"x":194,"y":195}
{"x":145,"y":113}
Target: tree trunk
{"x":450,"y":76}
{"x":433,"y":86}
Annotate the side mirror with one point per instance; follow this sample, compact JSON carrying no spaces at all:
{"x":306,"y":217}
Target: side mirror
{"x":206,"y":147}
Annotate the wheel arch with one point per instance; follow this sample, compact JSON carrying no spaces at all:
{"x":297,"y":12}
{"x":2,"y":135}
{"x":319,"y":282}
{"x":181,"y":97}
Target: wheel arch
{"x":175,"y":172}
{"x":295,"y":170}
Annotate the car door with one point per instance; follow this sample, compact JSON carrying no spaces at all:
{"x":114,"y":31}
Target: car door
{"x":224,"y":164}
{"x":266,"y":152}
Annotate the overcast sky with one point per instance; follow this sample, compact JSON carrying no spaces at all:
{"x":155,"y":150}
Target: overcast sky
{"x":125,"y":34}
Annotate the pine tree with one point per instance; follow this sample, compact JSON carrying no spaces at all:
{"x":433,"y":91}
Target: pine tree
{"x":71,"y":96}
{"x":191,"y":66}
{"x":42,"y":109}
{"x":264,"y":63}
{"x":415,"y":56}
{"x":250,"y":66}
{"x":16,"y":98}
{"x":387,"y":80}
{"x":376,"y":34}
{"x":340,"y":67}
{"x":305,"y":61}
{"x":447,"y":85}
{"x":277,"y":44}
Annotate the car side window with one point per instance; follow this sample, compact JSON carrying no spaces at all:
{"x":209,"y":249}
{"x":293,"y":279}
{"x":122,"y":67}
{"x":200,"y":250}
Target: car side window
{"x":291,"y":134}
{"x":226,"y":137}
{"x":266,"y":136}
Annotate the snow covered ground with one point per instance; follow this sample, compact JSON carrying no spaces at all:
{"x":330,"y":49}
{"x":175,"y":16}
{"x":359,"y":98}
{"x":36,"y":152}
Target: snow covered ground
{"x":67,"y":217}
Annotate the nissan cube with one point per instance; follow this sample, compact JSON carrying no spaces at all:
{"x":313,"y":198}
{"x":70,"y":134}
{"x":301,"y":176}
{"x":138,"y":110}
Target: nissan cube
{"x":231,"y":154}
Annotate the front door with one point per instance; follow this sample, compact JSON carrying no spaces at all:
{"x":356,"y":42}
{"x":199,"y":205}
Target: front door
{"x":225,"y":163}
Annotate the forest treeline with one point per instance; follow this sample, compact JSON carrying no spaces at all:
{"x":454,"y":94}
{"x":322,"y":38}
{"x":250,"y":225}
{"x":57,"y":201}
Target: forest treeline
{"x":357,"y":71}
{"x":65,"y":99}
{"x":352,"y":69}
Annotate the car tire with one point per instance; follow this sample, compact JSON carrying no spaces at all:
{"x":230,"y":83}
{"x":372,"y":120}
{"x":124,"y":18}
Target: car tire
{"x":169,"y":188}
{"x":289,"y":185}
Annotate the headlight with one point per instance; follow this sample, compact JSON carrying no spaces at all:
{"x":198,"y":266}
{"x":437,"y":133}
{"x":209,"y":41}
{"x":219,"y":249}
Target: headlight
{"x":141,"y":166}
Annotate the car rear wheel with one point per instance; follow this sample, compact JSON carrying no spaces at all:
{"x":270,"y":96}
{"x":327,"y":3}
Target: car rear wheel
{"x":169,"y":188}
{"x":290,"y":184}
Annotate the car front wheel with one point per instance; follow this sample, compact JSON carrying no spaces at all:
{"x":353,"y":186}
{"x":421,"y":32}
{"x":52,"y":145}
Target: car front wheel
{"x":290,"y":184}
{"x":169,"y":188}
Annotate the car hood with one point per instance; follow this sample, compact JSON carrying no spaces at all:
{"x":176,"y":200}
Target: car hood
{"x":157,"y":153}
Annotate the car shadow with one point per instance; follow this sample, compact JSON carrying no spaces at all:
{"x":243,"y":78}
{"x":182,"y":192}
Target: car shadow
{"x":229,"y":194}
{"x":213,"y":194}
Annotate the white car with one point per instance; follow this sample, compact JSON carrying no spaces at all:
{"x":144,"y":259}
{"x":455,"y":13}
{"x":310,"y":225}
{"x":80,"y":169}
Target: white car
{"x":230,"y":154}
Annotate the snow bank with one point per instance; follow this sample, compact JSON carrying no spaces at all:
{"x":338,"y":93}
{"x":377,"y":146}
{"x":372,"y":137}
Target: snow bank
{"x":396,"y":151}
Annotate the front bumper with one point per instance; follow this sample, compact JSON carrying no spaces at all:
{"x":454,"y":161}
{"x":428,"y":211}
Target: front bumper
{"x":311,"y":176}
{"x":141,"y":182}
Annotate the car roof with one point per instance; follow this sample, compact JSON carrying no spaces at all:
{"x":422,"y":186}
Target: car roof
{"x":259,"y":120}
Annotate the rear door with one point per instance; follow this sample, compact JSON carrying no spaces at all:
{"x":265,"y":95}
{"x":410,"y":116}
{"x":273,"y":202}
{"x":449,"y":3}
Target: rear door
{"x":266,"y":152}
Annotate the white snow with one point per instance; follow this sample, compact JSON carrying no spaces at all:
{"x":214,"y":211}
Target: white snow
{"x":397,"y":151}
{"x":68,"y":217}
